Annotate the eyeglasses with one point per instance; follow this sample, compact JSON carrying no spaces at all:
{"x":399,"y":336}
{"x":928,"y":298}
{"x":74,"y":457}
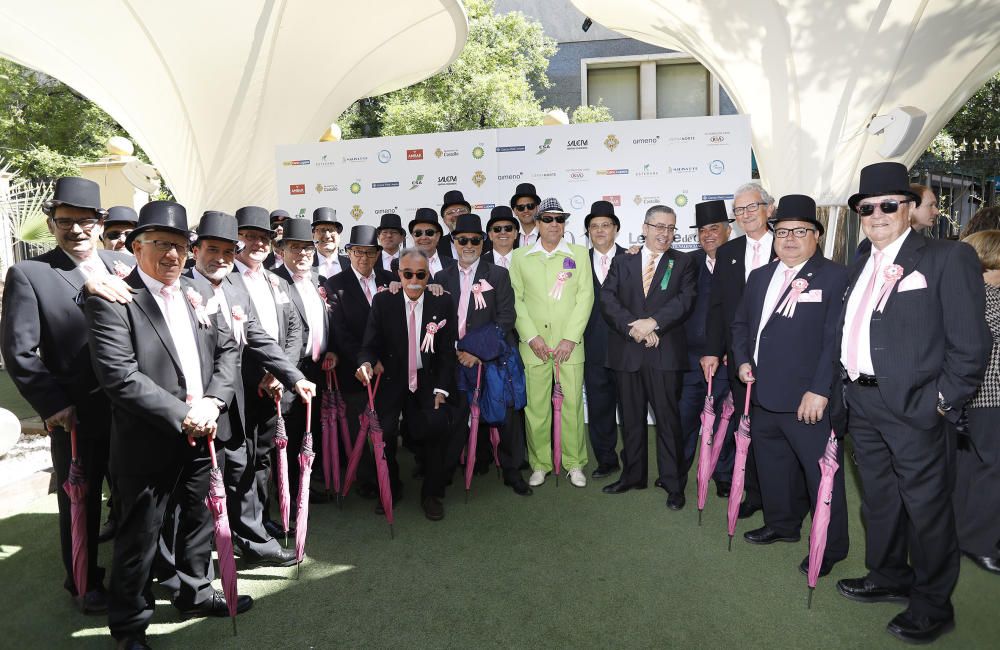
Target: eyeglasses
{"x":549,"y":219}
{"x":325,"y":232}
{"x":64,"y":223}
{"x":465,"y":241}
{"x":255,"y":237}
{"x":524,"y":207}
{"x":749,"y":207}
{"x":420,"y":275}
{"x":602,"y":226}
{"x":799,"y":233}
{"x":306,"y":250}
{"x":115,"y":235}
{"x":357,"y":252}
{"x":424,"y":233}
{"x":500,"y":229}
{"x":887,"y":207}
{"x":164,"y":246}
{"x":455,"y":212}
{"x":659,"y":227}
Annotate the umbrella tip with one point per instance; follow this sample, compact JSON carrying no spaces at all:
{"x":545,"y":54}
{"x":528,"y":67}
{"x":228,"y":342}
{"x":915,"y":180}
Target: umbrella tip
{"x":699,"y":517}
{"x":392,"y":532}
{"x":730,"y":543}
{"x":809,"y":600}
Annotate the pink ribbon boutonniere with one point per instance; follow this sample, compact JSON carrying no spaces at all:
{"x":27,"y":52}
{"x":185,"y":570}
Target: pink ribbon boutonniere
{"x":121,"y":269}
{"x":427,"y":345}
{"x":787,"y":306}
{"x":477,"y":293}
{"x":198,"y":304}
{"x":239,"y":320}
{"x":557,"y":288}
{"x":892,"y":274}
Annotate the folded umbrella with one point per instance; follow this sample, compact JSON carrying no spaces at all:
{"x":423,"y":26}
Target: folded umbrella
{"x":470,"y":457}
{"x":739,"y":467}
{"x":721,"y":430}
{"x":705,"y":449}
{"x":828,"y":467}
{"x":306,"y":456}
{"x":381,"y":464}
{"x":359,"y":443}
{"x":216,"y":502}
{"x":76,"y":488}
{"x":331,"y":447}
{"x":341,"y":406}
{"x":495,"y":443}
{"x":557,"y":402}
{"x":281,"y":445}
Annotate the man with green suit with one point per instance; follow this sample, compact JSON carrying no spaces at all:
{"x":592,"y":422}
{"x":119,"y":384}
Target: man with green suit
{"x":553,"y":296}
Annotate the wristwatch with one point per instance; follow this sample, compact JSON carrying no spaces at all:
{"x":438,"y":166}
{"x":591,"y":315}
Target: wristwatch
{"x":943,"y":406}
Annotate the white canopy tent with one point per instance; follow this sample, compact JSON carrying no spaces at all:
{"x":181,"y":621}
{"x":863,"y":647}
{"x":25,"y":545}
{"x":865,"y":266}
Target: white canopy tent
{"x":208,"y":89}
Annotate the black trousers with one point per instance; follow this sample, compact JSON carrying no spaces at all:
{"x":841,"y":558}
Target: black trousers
{"x":977,"y":485}
{"x":787,"y":453}
{"x":906,"y":474}
{"x":660,"y":390}
{"x":93,"y":440}
{"x":244,"y":508}
{"x":602,"y":409}
{"x":430,"y":428}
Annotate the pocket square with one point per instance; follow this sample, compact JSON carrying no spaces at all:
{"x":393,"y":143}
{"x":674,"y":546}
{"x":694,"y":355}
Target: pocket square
{"x":914,"y":280}
{"x":813,"y":295}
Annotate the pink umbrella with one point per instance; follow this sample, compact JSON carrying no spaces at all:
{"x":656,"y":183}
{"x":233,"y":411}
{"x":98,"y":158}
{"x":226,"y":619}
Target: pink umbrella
{"x":739,"y":467}
{"x":381,"y":465}
{"x":345,"y":433}
{"x":216,"y":502}
{"x":557,"y":402}
{"x":828,"y":466}
{"x":306,"y":456}
{"x":705,"y":450}
{"x":495,"y":443}
{"x":281,"y":444}
{"x":76,"y":488}
{"x":355,"y":455}
{"x":721,"y":429}
{"x":331,"y":448}
{"x":470,"y":457}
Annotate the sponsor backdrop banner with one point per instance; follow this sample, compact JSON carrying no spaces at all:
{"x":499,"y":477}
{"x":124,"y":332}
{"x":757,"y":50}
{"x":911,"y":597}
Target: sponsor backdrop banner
{"x":636,"y":164}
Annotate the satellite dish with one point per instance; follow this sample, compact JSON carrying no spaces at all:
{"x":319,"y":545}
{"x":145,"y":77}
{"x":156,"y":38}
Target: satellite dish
{"x":900,"y":127}
{"x":142,"y":176}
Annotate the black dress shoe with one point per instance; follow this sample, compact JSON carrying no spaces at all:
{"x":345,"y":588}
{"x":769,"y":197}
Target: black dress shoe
{"x":722,"y":488}
{"x":281,"y":557}
{"x":604,"y":471}
{"x":913,"y":629}
{"x":618,"y":487}
{"x":864,"y":590}
{"x":433,"y":509}
{"x":767,"y":535}
{"x":986,"y":562}
{"x":825,"y":567}
{"x":108,"y":531}
{"x":519,"y":485}
{"x":747,"y":510}
{"x":658,"y":483}
{"x":274,"y":529}
{"x":133,"y":643}
{"x":94,"y":602}
{"x":676,"y":500}
{"x":216,"y":606}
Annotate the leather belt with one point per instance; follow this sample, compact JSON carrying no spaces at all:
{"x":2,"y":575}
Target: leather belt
{"x":865,"y":380}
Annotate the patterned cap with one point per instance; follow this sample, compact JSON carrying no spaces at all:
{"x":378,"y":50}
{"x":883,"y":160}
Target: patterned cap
{"x":551,"y":206}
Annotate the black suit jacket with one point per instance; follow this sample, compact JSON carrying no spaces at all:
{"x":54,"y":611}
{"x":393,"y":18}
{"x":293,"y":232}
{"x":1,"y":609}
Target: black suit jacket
{"x":305,"y":349}
{"x":595,"y":336}
{"x":796,"y":354}
{"x":348,"y":318}
{"x":499,"y":301}
{"x":930,"y":340}
{"x":622,"y":302}
{"x":728,"y":281}
{"x":44,"y":337}
{"x":137,"y":365}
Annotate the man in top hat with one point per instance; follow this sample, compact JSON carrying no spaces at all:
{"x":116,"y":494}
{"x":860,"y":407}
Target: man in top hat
{"x":502,"y":229}
{"x":712,"y":222}
{"x":602,"y":226}
{"x":645,"y":300}
{"x":425,"y":229}
{"x":118,"y":224}
{"x":752,"y":207}
{"x":453,"y":205}
{"x":350,"y":294}
{"x":485,"y":302}
{"x":784,"y":340}
{"x":553,"y":296}
{"x":411,"y":335}
{"x":914,"y":344}
{"x":279,"y":318}
{"x":524,"y":204}
{"x":326,"y":234}
{"x":44,"y":343}
{"x":168,"y":362}
{"x":277,"y":221}
{"x":390,"y":237}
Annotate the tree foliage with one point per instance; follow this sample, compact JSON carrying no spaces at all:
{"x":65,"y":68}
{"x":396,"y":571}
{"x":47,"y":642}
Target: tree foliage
{"x":953,"y":149}
{"x":591,"y":114}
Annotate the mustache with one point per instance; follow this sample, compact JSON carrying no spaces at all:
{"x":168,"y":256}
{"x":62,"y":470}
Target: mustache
{"x":415,"y":287}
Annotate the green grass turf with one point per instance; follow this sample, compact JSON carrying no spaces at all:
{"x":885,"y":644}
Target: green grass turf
{"x":11,"y":400}
{"x":565,"y":567}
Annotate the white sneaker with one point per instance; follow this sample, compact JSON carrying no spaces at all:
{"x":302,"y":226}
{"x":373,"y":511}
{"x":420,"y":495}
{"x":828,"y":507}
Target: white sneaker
{"x":537,"y":478}
{"x":577,"y":478}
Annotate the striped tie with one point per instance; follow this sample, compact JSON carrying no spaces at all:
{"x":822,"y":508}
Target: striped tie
{"x":647,"y":274}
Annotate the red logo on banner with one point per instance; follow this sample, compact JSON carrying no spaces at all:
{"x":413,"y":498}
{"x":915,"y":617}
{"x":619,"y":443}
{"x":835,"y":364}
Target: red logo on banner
{"x":297,"y":189}
{"x":614,"y":199}
{"x":414,"y":154}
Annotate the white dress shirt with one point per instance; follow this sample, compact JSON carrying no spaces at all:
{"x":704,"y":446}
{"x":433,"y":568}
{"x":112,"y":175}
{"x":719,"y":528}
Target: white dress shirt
{"x":92,"y":267}
{"x":387,"y":259}
{"x":434,"y":265}
{"x":328,"y":266}
{"x":771,"y":298}
{"x":600,"y":268}
{"x":259,"y":289}
{"x":502,"y":260}
{"x":528,"y":239}
{"x":314,"y":310}
{"x":181,"y":329}
{"x":764,"y":256}
{"x":865,"y":364}
{"x":220,"y":296}
{"x":562,"y":247}
{"x":366,"y":282}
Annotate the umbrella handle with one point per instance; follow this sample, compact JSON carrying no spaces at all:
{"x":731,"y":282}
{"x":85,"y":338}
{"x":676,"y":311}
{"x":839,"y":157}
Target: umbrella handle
{"x":329,"y":380}
{"x":336,"y":383}
{"x":479,"y":373}
{"x":211,"y":450}
{"x":309,"y":412}
{"x":373,"y":391}
{"x":72,"y":441}
{"x":746,"y":405}
{"x":710,"y":385}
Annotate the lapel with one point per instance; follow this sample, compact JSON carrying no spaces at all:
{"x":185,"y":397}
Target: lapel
{"x":67,"y":269}
{"x":665,"y":261}
{"x":429,"y":316}
{"x":200,"y":333}
{"x":908,"y":256}
{"x":293,"y":293}
{"x":144,"y":300}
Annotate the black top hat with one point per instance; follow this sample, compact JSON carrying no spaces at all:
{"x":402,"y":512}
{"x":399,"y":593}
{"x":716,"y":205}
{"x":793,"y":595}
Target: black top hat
{"x":298,"y":229}
{"x":252,"y":216}
{"x":326,"y":215}
{"x":425,"y":215}
{"x":454,"y":197}
{"x":76,"y":192}
{"x":468,"y":223}
{"x":278,"y":216}
{"x":218,"y":225}
{"x":162,"y":216}
{"x":363,"y":236}
{"x":709,"y":212}
{"x":503,"y":213}
{"x":796,"y":207}
{"x":602,"y":209}
{"x":881,"y":179}
{"x":121,"y":214}
{"x":390,"y":221}
{"x":526,"y":190}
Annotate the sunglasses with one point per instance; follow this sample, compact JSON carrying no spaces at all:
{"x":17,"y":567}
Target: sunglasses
{"x":523,"y":207}
{"x":115,"y":235}
{"x":465,"y":241}
{"x":887,"y":207}
{"x":500,"y":229}
{"x":424,"y":233}
{"x":420,"y":275}
{"x":550,"y":219}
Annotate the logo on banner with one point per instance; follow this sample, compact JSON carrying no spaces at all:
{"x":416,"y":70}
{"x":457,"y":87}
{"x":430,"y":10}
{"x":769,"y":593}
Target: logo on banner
{"x":681,"y":200}
{"x":576,"y":202}
{"x":356,"y":187}
{"x":611,"y":142}
{"x":483,"y":206}
{"x":687,"y":169}
{"x":320,"y":188}
{"x":510,"y":177}
{"x":717,"y":137}
{"x":297,"y":189}
{"x":542,"y":148}
{"x":717,"y":197}
{"x":324,"y":161}
{"x":544,"y":175}
{"x":302,"y":213}
{"x":479,"y":178}
{"x":647,"y":170}
{"x":295,"y":163}
{"x":653,"y":140}
{"x":509,"y":148}
{"x":716,"y":167}
{"x":377,"y":186}
{"x":414,"y":154}
{"x":613,"y":199}
{"x":445,"y":153}
{"x":448,"y":180}
{"x":417,"y":182}
{"x":357,"y":212}
{"x":478,"y":152}
{"x":576,"y":144}
{"x":359,"y":158}
{"x":612,"y":172}
{"x":578,"y":174}
{"x":681,"y":138}
{"x":393,"y":210}
{"x":384,"y":156}
{"x":638,"y":199}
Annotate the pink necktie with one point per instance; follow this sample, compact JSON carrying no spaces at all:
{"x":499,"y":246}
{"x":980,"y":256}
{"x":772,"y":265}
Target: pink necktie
{"x":755,"y":260}
{"x":411,"y":357}
{"x":710,"y":263}
{"x":503,"y":261}
{"x":463,"y":301}
{"x":605,"y":264}
{"x":864,"y":311}
{"x":789,"y":276}
{"x":168,"y":296}
{"x":368,"y":292}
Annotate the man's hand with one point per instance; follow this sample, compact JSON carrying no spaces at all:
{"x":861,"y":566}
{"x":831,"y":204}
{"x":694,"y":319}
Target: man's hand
{"x":709,"y":365}
{"x":563,"y":350}
{"x":271,"y":386}
{"x":379,"y":368}
{"x":466,"y":359}
{"x":641,"y":328}
{"x":439,"y":399}
{"x":652,"y":340}
{"x":811,"y":408}
{"x":305,"y":389}
{"x":201,"y":418}
{"x":436,"y":289}
{"x":745,"y":373}
{"x":364,"y":373}
{"x":110,"y":287}
{"x":538,"y":346}
{"x":63,"y":419}
{"x":395,"y":286}
{"x":634,"y":249}
{"x":329,"y":361}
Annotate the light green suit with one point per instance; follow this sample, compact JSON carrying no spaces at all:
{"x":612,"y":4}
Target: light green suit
{"x":533,"y":275}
